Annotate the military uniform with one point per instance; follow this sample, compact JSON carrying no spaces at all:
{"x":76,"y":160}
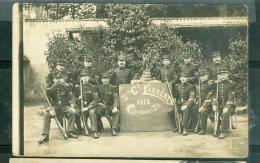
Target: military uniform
{"x":205,"y":92}
{"x":121,"y":75}
{"x":89,"y":103}
{"x":185,"y":95}
{"x":213,"y":68}
{"x":109,"y":99}
{"x":224,"y":98}
{"x":52,"y":77}
{"x":192,"y":70}
{"x":60,"y":96}
{"x":167,"y":73}
{"x":213,"y":71}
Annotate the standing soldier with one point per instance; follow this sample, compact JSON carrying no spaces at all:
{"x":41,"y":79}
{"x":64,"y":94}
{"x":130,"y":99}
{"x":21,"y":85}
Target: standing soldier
{"x":223,"y":103}
{"x":192,"y":70}
{"x":109,"y":103}
{"x":185,"y":97}
{"x":205,"y":90}
{"x":121,"y":75}
{"x":60,"y":97}
{"x":167,"y":72}
{"x":89,"y":101}
{"x":216,"y":58}
{"x":90,"y":71}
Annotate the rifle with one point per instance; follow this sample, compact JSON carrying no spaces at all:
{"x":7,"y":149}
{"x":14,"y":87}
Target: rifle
{"x":62,"y":130}
{"x":175,"y":110}
{"x":82,"y":118}
{"x":197,"y":125}
{"x":216,"y":114}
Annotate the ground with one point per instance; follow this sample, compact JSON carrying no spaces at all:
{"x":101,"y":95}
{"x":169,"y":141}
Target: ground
{"x":134,"y":144}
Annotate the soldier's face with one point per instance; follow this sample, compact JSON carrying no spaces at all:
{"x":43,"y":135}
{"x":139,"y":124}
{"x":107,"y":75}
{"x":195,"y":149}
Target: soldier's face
{"x":87,"y":63}
{"x":187,"y":60}
{"x":204,"y":78}
{"x":105,"y":80}
{"x":166,"y":62}
{"x":60,"y":67}
{"x":121,"y":63}
{"x":216,"y":59}
{"x":183,"y":79}
{"x":223,"y":76}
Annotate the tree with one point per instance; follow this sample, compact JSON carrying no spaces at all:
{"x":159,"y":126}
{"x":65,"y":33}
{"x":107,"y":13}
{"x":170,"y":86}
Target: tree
{"x":237,"y":62}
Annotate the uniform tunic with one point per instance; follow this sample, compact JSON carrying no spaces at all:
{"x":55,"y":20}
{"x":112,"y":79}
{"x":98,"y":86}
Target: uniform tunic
{"x":110,"y":99}
{"x":224,"y":98}
{"x":185,"y":95}
{"x":121,"y":76}
{"x":60,"y":96}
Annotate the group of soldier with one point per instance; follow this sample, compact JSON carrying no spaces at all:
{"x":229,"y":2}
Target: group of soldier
{"x":199,"y":93}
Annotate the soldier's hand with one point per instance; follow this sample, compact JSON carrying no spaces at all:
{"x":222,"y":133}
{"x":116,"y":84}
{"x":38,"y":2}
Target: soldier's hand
{"x":52,"y":113}
{"x":214,"y":107}
{"x":201,"y":109}
{"x":225,"y":110}
{"x":114,"y":110}
{"x":80,"y":97}
{"x":184,"y":107}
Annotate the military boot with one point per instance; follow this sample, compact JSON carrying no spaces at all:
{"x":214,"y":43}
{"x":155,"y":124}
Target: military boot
{"x":44,"y":139}
{"x":184,"y":132}
{"x":95,"y":135}
{"x":202,"y":132}
{"x":114,"y":132}
{"x":221,"y":136}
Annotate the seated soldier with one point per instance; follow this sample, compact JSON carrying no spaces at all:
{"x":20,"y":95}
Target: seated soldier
{"x":60,"y":96}
{"x":107,"y":107}
{"x":205,"y":94}
{"x":185,"y":97}
{"x":89,"y":102}
{"x":110,"y":102}
{"x":223,"y":102}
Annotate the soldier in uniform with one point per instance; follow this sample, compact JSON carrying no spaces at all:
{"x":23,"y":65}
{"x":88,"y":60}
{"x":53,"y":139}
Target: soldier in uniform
{"x":216,"y":58}
{"x":167,"y":72}
{"x":91,"y":74}
{"x":109,"y":105}
{"x":121,"y":75}
{"x":90,"y":71}
{"x":192,"y":70}
{"x":205,"y":90}
{"x":89,"y":101}
{"x":60,"y":96}
{"x":223,"y":102}
{"x":60,"y":70}
{"x":185,"y":97}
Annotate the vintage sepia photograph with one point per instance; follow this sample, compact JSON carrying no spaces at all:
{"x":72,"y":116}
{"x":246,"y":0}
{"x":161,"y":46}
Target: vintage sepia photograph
{"x":46,"y":160}
{"x":133,"y":80}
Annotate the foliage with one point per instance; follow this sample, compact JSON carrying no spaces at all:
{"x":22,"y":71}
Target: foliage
{"x":60,"y":46}
{"x":57,"y":11}
{"x":237,"y":62}
{"x":128,"y":32}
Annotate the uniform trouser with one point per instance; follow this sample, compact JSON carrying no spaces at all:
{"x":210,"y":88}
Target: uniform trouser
{"x":183,"y":116}
{"x":77,"y":118}
{"x":98,"y":112}
{"x":224,"y":125}
{"x":204,"y":118}
{"x":186,"y":117}
{"x":194,"y":116}
{"x":68,"y":112}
